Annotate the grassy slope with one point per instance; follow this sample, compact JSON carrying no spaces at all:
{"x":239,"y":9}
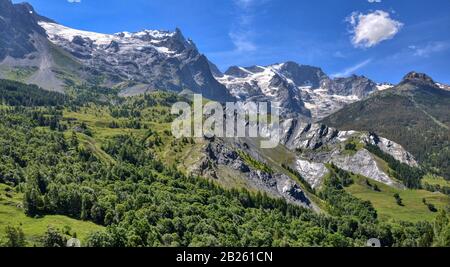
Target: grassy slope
{"x":171,"y":152}
{"x":20,"y":74}
{"x":435,"y":180}
{"x":384,"y":202}
{"x":12,"y":213}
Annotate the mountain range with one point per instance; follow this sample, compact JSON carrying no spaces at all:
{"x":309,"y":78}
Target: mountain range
{"x":351,"y":123}
{"x":299,"y":89}
{"x":40,"y":51}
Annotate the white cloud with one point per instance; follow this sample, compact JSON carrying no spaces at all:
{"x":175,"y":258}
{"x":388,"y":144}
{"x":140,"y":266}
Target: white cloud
{"x":352,"y":69}
{"x":74,"y":1}
{"x":374,"y":1}
{"x":371,"y":29}
{"x":430,"y":48}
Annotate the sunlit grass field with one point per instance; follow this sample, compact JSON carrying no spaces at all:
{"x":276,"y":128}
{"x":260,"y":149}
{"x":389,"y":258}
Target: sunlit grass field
{"x":413,"y":208}
{"x":12,"y":214}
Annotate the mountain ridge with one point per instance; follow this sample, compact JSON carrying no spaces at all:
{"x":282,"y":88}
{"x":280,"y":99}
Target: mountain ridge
{"x":415,"y":114}
{"x":158,"y":60}
{"x":301,"y":89}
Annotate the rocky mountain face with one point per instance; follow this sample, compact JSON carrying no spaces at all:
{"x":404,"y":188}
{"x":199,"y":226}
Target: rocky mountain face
{"x":317,"y":145}
{"x":17,"y":23}
{"x":443,"y":86}
{"x":267,"y":84}
{"x":415,"y":114}
{"x":221,"y":155}
{"x":41,"y":51}
{"x":301,"y":89}
{"x":307,"y":148}
{"x":146,"y":60}
{"x":358,"y":86}
{"x":25,"y":53}
{"x":418,"y":79}
{"x":37,"y":50}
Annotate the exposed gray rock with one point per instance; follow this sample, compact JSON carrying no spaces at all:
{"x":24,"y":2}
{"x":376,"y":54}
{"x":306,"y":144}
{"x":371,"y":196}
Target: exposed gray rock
{"x":363,"y":163}
{"x":219,"y":153}
{"x":159,"y":60}
{"x":303,"y":75}
{"x":392,"y":148}
{"x":301,"y":135}
{"x":312,"y":172}
{"x":419,"y":78}
{"x":299,"y":89}
{"x":265,"y":84}
{"x":17,"y":23}
{"x":318,"y":144}
{"x":359,"y":86}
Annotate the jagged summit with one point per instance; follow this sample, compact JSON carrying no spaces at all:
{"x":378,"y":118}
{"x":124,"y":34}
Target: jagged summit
{"x":56,"y":56}
{"x":418,"y":78}
{"x":301,"y":89}
{"x":160,"y":59}
{"x":302,"y":74}
{"x":17,"y":23}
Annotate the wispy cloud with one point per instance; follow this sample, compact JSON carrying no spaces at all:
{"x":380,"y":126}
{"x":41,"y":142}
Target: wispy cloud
{"x":245,"y":3}
{"x":241,"y":33}
{"x":242,"y":42}
{"x":430,"y":48}
{"x":74,"y":1}
{"x":352,"y":69}
{"x":370,"y":29}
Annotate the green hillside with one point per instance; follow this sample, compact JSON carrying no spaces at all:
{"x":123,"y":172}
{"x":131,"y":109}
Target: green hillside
{"x":12,"y":214}
{"x":416,"y":116}
{"x":413,"y":209}
{"x":111,"y":173}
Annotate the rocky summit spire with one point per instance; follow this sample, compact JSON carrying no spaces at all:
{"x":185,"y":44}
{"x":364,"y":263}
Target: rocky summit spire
{"x":418,"y":79}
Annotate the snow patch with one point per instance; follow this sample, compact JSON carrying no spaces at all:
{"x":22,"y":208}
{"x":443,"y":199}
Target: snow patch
{"x":384,"y":86}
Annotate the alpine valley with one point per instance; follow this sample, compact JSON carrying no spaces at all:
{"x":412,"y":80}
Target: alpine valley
{"x":87,"y":150}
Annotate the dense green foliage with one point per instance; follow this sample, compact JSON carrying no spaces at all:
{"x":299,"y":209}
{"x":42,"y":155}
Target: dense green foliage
{"x":14,"y":237}
{"x":254,"y":163}
{"x":343,"y":204}
{"x":143,"y":202}
{"x":19,"y":94}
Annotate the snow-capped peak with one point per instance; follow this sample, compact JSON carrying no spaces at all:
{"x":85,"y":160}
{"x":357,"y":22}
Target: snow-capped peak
{"x":155,"y":34}
{"x":299,"y":86}
{"x":255,"y":80}
{"x":59,"y":34}
{"x":55,"y":31}
{"x":443,"y":86}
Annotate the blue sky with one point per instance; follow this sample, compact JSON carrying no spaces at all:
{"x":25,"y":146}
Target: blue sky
{"x":382,"y":39}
